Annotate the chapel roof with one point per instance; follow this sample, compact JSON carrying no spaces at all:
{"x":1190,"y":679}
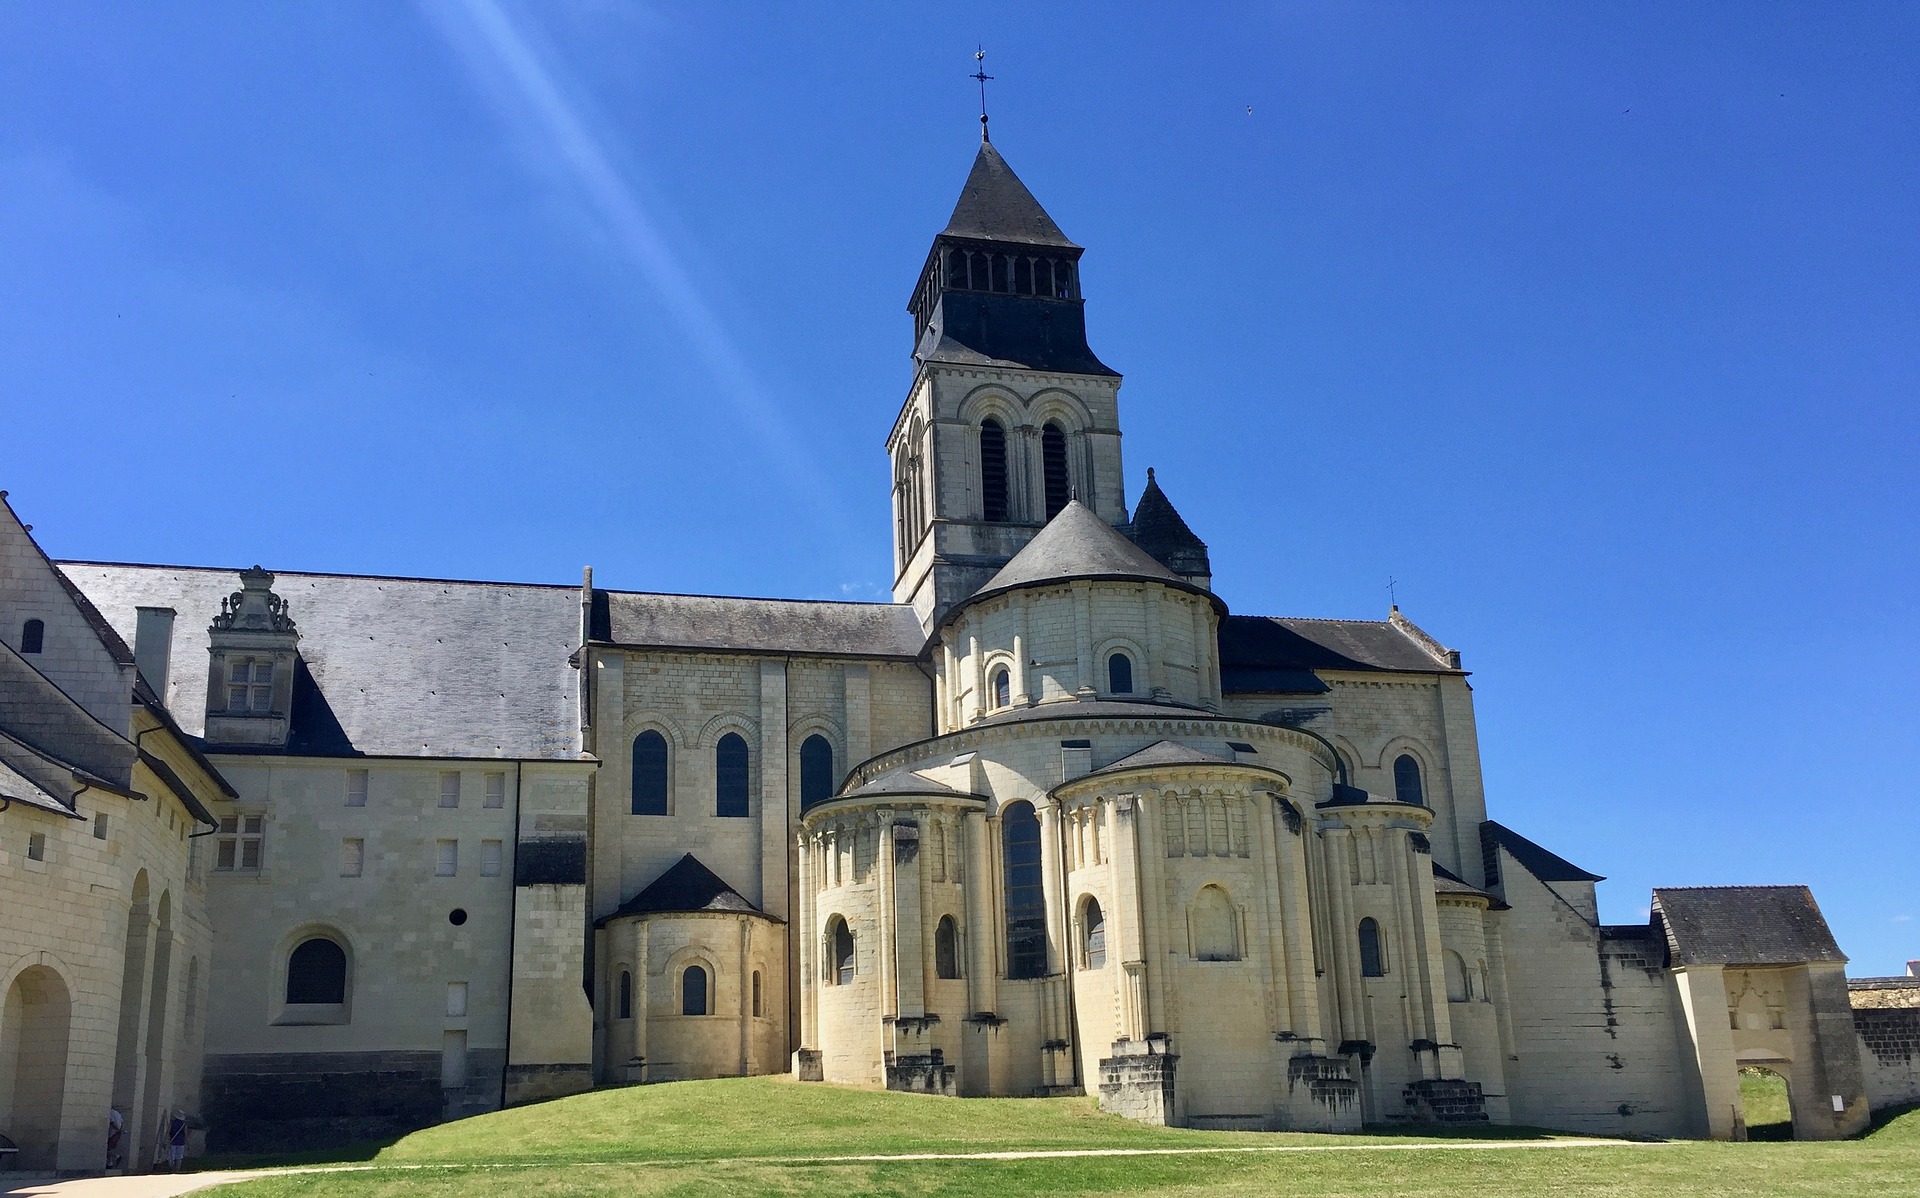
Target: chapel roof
{"x":1447,"y":882}
{"x":725,"y":623}
{"x":1157,"y":528}
{"x":396,"y":667}
{"x":1541,"y":863}
{"x":1266,"y":653}
{"x":1163,"y":752}
{"x":687,"y":885}
{"x":1743,"y":925}
{"x":904,"y":780}
{"x":995,"y":205}
{"x":1077,"y":543}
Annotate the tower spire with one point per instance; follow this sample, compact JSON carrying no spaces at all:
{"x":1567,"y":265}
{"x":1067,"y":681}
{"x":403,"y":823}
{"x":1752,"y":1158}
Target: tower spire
{"x":980,"y":73}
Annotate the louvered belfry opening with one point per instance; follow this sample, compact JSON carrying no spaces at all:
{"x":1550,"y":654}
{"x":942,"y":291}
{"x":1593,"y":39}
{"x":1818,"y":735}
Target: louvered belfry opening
{"x":1053,"y":455}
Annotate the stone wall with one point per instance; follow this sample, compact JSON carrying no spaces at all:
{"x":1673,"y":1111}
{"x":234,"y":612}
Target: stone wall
{"x":1886,"y":1021}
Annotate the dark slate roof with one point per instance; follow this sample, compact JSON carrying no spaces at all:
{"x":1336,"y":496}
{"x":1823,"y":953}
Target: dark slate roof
{"x":686,"y":886}
{"x":1546,"y":866}
{"x":1159,"y":530}
{"x":18,"y":787}
{"x":731,"y":625}
{"x":1743,"y":925}
{"x":1446,"y":882}
{"x":1079,"y":544}
{"x":1107,"y":709}
{"x":401,"y":667}
{"x":1163,"y":752}
{"x":1019,"y":332}
{"x":904,"y":780}
{"x":995,"y":205}
{"x":1253,"y":647}
{"x":62,"y":740}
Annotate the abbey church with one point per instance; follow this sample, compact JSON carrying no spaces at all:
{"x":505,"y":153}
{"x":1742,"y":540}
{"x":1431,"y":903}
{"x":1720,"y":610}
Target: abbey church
{"x":311,"y":858}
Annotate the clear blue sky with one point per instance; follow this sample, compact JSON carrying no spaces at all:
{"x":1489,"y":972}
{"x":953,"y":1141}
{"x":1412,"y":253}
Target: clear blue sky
{"x":1596,"y":326}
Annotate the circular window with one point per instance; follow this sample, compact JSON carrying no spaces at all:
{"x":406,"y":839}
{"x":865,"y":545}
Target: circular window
{"x":457,"y":916}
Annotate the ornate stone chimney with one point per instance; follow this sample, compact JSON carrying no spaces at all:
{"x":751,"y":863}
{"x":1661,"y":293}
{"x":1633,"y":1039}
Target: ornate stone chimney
{"x":250,"y":685}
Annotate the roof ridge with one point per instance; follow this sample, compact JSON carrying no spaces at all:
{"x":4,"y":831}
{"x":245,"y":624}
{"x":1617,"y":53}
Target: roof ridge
{"x":278,"y":573}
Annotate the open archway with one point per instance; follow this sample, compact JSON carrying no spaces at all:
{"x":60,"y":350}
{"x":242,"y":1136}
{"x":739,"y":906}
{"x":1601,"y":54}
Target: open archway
{"x":35,"y":1021}
{"x":1764,"y":1104}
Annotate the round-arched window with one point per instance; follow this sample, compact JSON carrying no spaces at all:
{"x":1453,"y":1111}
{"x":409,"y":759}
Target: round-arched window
{"x":839,"y":953}
{"x":1093,"y":934}
{"x":1002,"y":688}
{"x":317,"y":973}
{"x":693,"y":991}
{"x":946,"y":948}
{"x":1406,"y":781}
{"x":1120,"y":674}
{"x":1373,"y":963}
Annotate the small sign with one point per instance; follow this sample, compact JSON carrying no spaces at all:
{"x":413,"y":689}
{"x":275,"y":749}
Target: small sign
{"x":1839,"y":1105}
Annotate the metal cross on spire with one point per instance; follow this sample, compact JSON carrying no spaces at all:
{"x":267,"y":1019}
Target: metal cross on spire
{"x":980,"y":73}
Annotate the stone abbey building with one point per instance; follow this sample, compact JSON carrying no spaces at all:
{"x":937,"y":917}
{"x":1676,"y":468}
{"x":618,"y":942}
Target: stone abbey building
{"x":316,"y":857}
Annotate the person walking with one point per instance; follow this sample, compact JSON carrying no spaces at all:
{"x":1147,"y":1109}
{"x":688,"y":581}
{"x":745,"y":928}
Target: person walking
{"x":176,"y":1140}
{"x":116,"y":1131}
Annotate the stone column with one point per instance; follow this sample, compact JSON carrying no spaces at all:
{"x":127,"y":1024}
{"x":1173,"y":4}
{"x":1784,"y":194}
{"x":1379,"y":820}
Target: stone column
{"x":980,"y":890}
{"x":1703,"y":998}
{"x":806,"y":938}
{"x":642,"y":994}
{"x":1279,"y":976}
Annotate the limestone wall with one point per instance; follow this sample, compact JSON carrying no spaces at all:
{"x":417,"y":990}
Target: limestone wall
{"x":104,"y":972}
{"x":424,"y":1029}
{"x":1598,"y":1043}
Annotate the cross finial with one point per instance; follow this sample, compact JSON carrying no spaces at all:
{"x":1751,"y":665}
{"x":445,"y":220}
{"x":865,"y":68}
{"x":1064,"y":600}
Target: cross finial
{"x":980,"y":73}
{"x":1393,"y":597}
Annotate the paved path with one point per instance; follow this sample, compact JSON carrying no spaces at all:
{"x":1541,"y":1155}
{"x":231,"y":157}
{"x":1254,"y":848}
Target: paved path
{"x":170,"y":1185}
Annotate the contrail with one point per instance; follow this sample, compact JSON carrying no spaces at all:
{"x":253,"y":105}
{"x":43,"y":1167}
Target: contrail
{"x":509,"y":62}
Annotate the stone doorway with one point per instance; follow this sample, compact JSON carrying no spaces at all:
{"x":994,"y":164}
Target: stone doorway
{"x":34,"y":1024}
{"x":1765,"y":1109}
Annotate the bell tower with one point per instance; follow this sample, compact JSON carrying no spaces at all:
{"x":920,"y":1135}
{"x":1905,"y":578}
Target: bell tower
{"x":1010,"y":413}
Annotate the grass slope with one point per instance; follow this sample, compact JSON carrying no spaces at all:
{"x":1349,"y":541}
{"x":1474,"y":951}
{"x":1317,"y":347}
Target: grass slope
{"x":717,"y":1137}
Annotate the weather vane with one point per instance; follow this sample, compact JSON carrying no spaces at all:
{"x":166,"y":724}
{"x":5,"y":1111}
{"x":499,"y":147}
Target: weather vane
{"x":980,"y":73}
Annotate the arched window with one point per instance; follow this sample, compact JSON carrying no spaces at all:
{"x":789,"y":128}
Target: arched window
{"x":1002,"y":688}
{"x":1093,"y":934}
{"x":1023,"y":276}
{"x":693,"y":991}
{"x":1406,"y":781}
{"x":1053,"y":460}
{"x":957,"y":269}
{"x":1025,"y":896}
{"x":1373,"y":963}
{"x":623,"y":1004}
{"x":816,"y":771}
{"x":946,"y":948}
{"x":649,"y":773}
{"x":730,"y":777}
{"x":756,"y":994}
{"x":33,"y":636}
{"x":1062,"y":280}
{"x":317,"y":972}
{"x":1120,"y":674}
{"x":1216,"y":927}
{"x":839,"y":953}
{"x":1459,"y":984}
{"x":993,"y":470}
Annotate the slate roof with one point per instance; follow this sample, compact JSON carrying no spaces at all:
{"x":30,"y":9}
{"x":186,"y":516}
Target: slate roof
{"x":1157,"y":528}
{"x":904,"y":780}
{"x":56,"y":742}
{"x":1446,"y":882}
{"x":401,"y":667}
{"x":1109,"y":709}
{"x":1256,"y":652}
{"x":1743,"y":925}
{"x":995,"y":205}
{"x":1544,"y":865}
{"x":687,"y":886}
{"x":1079,"y":544}
{"x":1163,"y":752}
{"x":727,"y":624}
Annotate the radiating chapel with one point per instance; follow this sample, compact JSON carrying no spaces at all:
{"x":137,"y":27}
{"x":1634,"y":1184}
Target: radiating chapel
{"x":316,"y":857}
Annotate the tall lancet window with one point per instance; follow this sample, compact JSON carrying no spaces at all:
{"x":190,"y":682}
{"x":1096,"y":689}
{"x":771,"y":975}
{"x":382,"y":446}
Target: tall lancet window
{"x":993,"y":471}
{"x":1025,"y":894}
{"x":1053,"y":458}
{"x":1406,"y":781}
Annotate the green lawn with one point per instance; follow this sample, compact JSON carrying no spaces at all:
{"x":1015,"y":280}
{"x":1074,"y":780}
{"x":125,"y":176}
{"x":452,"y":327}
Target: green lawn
{"x":767,"y":1136}
{"x":1763,"y":1099}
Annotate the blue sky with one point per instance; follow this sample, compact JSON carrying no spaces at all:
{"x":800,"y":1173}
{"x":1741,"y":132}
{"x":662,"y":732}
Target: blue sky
{"x":1597,"y":327}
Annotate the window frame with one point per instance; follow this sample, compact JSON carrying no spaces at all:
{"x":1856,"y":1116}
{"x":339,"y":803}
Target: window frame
{"x":841,"y":967}
{"x":1023,"y":892}
{"x":659,"y":769}
{"x":242,"y":830}
{"x":1411,"y":778}
{"x":1369,"y":937}
{"x":705,"y":980}
{"x":1124,"y":660}
{"x":291,"y":1012}
{"x":732,"y":780}
{"x":816,"y":774}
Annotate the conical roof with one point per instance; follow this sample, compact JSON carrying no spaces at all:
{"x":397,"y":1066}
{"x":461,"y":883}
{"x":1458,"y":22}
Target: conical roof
{"x":1078,"y":544}
{"x":688,"y":885}
{"x":1159,"y":530}
{"x":996,"y":206}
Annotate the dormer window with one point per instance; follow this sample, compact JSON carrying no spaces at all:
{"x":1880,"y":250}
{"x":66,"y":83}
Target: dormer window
{"x":250,"y":686}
